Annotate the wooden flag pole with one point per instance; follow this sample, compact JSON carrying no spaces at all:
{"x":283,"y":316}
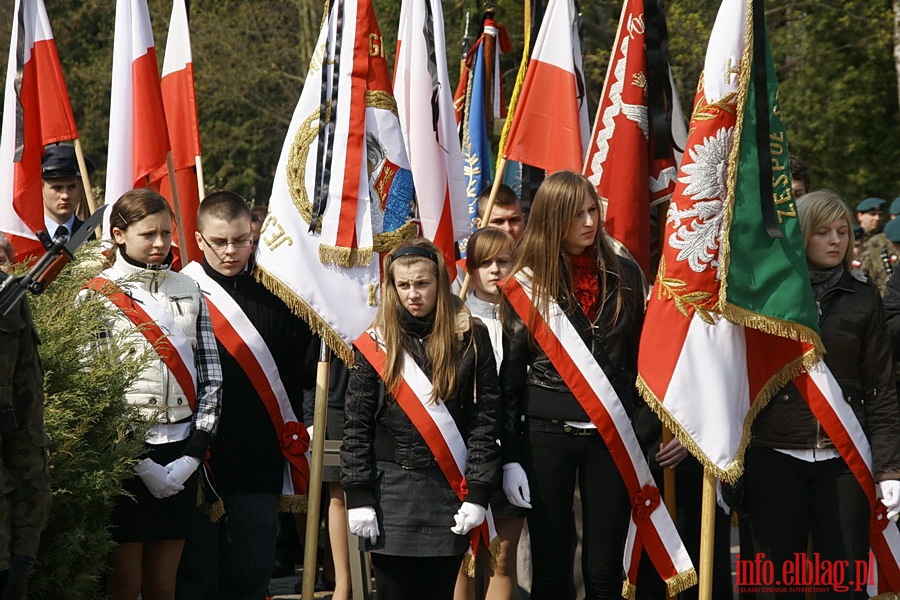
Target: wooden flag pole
{"x":86,"y":186}
{"x":668,"y":476}
{"x":707,"y":534}
{"x":179,"y":222}
{"x":314,"y":496}
{"x":201,"y":188}
{"x":85,"y":178}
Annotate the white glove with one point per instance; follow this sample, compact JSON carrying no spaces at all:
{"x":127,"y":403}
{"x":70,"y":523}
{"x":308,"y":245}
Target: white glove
{"x":155,"y":478}
{"x":181,"y":468}
{"x":363,"y":522}
{"x":890,"y":497}
{"x":515,"y":485}
{"x":468,"y":518}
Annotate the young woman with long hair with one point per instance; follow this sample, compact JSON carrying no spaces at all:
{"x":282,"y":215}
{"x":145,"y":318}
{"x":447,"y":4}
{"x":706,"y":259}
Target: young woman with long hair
{"x":423,"y":354}
{"x":489,"y":259}
{"x":178,"y":392}
{"x":568,"y":266}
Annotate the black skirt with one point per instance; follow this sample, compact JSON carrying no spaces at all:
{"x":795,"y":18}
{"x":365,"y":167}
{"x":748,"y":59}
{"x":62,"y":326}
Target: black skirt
{"x":415,"y":513}
{"x":143,"y":518}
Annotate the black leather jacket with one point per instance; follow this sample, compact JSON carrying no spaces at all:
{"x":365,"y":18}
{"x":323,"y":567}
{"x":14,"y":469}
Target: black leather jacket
{"x":530,"y":384}
{"x":858,"y":353}
{"x":376,"y":428}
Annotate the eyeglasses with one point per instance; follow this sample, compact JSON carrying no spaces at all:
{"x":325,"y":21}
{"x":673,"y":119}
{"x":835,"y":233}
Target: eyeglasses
{"x":222,"y":245}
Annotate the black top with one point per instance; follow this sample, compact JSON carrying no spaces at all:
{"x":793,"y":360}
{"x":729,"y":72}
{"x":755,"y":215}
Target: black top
{"x":246,"y":454}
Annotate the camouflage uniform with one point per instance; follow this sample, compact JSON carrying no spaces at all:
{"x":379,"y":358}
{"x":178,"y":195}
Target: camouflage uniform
{"x":872,"y":259}
{"x":24,"y":476}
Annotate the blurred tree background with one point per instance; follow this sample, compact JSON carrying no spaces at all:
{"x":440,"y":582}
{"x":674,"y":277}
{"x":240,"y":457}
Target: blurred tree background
{"x":836,"y":68}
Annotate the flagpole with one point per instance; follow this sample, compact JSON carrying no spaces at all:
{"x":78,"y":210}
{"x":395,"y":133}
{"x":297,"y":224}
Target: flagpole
{"x":201,"y":188}
{"x":707,"y":534}
{"x":179,"y":222}
{"x":314,"y":495}
{"x":510,"y":111}
{"x":85,"y":178}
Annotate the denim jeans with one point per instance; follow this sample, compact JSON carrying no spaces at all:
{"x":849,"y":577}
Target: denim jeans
{"x":231,"y":559}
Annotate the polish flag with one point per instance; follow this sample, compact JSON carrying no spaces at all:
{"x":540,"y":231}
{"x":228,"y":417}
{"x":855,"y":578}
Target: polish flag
{"x":180,"y":103}
{"x":425,"y":106}
{"x":138,"y":136}
{"x":550,"y":126}
{"x":36,"y":114}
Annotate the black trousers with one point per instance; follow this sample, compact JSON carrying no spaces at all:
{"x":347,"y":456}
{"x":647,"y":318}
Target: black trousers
{"x":556,"y":461}
{"x":415,"y":578}
{"x":790,"y":500}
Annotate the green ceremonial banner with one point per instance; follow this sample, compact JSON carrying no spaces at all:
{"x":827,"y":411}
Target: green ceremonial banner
{"x":766,"y":277}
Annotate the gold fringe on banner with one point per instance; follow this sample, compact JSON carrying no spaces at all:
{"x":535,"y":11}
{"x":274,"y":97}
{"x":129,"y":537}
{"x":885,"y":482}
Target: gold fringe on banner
{"x":216,"y":510}
{"x":468,"y":562}
{"x":292,"y":504}
{"x":300,"y":308}
{"x":344,"y":256}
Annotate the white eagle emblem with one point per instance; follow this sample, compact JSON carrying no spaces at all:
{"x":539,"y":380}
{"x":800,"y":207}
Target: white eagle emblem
{"x":698,"y":227}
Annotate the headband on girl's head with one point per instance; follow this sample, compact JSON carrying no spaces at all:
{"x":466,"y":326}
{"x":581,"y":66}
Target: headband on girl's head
{"x":415,"y":251}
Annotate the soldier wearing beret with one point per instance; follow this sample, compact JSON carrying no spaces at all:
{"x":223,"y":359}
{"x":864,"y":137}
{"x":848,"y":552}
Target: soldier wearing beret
{"x":875,"y":256}
{"x":24,"y":476}
{"x":62,"y":188}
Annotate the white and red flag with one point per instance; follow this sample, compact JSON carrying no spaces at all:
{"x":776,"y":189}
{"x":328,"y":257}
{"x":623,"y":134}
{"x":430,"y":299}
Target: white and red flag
{"x":343,"y":190}
{"x":138,"y":135}
{"x":732,"y":318}
{"x":36,"y":112}
{"x":550,"y":127}
{"x":180,"y":102}
{"x":621,"y":160}
{"x":425,"y":105}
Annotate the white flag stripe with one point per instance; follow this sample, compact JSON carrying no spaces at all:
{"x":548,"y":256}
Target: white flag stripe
{"x":725,"y":50}
{"x":715,"y":355}
{"x":178,"y":42}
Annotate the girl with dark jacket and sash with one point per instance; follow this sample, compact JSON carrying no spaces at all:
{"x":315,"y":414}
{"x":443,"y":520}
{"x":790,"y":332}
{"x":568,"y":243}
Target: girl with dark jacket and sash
{"x":568,"y":265}
{"x":424,"y":380}
{"x":797,"y":483}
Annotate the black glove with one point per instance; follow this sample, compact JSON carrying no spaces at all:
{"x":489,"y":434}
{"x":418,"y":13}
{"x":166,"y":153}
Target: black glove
{"x":16,"y":586}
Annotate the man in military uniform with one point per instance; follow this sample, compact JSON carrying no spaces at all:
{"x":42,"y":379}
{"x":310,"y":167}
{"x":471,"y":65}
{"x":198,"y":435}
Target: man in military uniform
{"x":24,"y":475}
{"x":875,"y":255}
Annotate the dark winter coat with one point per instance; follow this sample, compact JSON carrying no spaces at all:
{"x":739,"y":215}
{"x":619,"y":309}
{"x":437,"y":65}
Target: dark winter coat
{"x":858,"y":353}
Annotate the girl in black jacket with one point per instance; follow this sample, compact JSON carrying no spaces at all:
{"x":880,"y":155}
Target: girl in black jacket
{"x":797,"y":484}
{"x":566,"y":260}
{"x":398,"y":497}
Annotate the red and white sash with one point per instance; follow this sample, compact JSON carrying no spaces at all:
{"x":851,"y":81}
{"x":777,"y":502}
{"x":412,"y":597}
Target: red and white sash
{"x":156,"y":325}
{"x":826,"y":401}
{"x":243,"y":342}
{"x":651,"y":527}
{"x":434,"y":423}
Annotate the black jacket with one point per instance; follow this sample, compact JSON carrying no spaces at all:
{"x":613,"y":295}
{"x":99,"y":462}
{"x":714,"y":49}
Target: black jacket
{"x":371,"y":412}
{"x":530,"y":384}
{"x":245,"y":455}
{"x":858,"y":353}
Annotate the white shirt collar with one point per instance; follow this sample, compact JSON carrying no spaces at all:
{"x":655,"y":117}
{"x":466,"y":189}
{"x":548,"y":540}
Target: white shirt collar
{"x":52,"y":225}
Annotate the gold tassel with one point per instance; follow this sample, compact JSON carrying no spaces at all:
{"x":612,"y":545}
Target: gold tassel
{"x":468,"y":565}
{"x":628,"y":589}
{"x":345,"y":257}
{"x":292,"y":503}
{"x":681,"y":582}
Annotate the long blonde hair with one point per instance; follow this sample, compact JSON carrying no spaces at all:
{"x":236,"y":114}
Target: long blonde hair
{"x":556,"y":205}
{"x":442,"y":348}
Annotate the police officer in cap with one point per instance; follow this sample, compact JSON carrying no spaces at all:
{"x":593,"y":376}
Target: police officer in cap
{"x":62,"y":189}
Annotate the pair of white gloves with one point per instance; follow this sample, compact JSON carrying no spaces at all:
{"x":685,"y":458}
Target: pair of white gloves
{"x":890,"y":497}
{"x":364,"y":523}
{"x":165,"y":481}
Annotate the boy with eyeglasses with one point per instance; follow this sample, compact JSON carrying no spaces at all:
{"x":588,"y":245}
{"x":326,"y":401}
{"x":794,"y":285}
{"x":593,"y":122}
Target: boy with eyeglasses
{"x":257,"y":458}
